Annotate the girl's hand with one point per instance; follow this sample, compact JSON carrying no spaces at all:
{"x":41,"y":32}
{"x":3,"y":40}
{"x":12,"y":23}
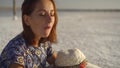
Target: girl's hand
{"x":15,"y":66}
{"x":51,"y":60}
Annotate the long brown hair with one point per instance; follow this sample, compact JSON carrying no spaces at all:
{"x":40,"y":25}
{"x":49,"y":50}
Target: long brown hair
{"x":27,"y":9}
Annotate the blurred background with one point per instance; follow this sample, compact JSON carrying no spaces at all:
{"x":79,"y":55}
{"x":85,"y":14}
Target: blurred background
{"x":93,"y":26}
{"x":72,"y":4}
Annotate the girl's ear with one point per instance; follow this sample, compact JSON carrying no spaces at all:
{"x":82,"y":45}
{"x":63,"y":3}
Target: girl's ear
{"x":27,"y":20}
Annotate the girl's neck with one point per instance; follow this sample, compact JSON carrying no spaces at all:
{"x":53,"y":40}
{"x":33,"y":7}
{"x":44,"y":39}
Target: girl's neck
{"x":36,"y":42}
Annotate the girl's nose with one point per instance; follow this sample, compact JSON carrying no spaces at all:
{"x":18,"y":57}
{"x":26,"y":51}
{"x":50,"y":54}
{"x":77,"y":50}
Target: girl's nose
{"x":49,"y":19}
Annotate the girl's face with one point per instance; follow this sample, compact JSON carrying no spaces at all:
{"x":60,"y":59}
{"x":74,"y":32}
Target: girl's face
{"x":42,"y":18}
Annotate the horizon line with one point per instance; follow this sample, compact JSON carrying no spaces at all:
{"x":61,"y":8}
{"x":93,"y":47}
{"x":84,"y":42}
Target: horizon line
{"x":72,"y":10}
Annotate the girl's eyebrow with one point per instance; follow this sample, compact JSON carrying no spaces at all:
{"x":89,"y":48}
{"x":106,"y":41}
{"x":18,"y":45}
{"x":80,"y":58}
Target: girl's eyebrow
{"x":40,"y":10}
{"x":44,"y":10}
{"x":52,"y":10}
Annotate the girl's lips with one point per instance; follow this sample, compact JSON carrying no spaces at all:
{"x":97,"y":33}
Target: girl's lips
{"x":47,"y":27}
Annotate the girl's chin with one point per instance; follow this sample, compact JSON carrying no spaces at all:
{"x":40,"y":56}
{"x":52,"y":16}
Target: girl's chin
{"x":46,"y":35}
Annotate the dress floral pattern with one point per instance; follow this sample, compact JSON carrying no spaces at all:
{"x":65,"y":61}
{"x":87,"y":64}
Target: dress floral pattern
{"x":18,"y":52}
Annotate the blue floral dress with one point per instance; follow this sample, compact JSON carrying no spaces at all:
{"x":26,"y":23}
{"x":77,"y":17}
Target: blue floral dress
{"x":18,"y":52}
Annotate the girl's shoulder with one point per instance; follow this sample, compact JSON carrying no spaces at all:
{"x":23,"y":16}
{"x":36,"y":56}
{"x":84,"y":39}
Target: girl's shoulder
{"x":18,"y":40}
{"x":13,"y":52}
{"x":16,"y":43}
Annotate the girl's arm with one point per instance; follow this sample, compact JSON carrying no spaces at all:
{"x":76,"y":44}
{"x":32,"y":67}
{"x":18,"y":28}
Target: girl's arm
{"x":16,"y":66}
{"x":51,"y":60}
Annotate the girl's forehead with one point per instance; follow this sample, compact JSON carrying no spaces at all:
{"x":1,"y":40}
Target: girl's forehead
{"x":44,"y":5}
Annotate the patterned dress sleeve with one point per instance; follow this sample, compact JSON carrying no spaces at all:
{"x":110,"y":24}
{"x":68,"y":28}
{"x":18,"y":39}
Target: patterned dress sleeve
{"x":49,"y":50}
{"x":11,"y":54}
{"x":16,"y":56}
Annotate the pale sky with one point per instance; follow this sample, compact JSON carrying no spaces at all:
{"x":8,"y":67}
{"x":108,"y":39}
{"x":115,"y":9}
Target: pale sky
{"x":74,"y":4}
{"x":86,"y":4}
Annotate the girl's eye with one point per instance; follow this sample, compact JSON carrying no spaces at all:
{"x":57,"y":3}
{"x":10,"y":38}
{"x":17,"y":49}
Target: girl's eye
{"x":42,"y":14}
{"x":52,"y":14}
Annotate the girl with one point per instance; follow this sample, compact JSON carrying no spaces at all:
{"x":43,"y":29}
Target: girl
{"x":32,"y":48}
